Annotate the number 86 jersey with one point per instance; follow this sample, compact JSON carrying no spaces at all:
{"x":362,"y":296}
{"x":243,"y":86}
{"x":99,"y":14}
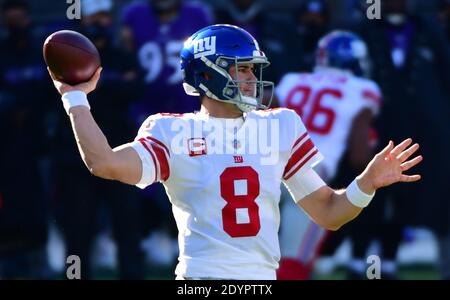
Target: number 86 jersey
{"x":328,"y":101}
{"x":223,"y":178}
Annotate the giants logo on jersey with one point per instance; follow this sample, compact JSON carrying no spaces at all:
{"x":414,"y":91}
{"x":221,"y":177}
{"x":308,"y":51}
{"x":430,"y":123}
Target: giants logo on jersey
{"x":204,"y":47}
{"x":238,"y":159}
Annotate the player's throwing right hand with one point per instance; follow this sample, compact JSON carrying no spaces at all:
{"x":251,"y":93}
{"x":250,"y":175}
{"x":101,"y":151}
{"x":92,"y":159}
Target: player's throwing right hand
{"x":85,"y":87}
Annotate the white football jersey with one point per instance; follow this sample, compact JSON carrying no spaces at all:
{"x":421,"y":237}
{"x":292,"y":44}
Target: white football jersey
{"x":328,"y":101}
{"x":224,"y":185}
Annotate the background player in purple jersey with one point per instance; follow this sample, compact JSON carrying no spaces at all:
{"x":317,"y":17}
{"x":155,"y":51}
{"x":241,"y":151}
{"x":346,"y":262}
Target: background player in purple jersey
{"x":156,"y":30}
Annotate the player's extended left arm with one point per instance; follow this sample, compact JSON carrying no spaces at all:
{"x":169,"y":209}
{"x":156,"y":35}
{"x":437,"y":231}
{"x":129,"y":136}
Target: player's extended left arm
{"x":333,"y":208}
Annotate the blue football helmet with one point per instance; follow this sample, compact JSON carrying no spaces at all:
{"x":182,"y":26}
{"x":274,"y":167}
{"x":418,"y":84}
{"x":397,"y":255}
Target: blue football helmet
{"x":206,"y":59}
{"x":343,"y":50}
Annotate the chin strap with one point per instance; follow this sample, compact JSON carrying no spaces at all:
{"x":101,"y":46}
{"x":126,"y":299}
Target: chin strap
{"x":247,"y":104}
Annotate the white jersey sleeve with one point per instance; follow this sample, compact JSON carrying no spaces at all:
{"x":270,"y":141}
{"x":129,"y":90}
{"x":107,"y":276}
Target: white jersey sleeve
{"x":370,"y":95}
{"x":299,"y":176}
{"x":304,"y":154}
{"x":153,"y":152}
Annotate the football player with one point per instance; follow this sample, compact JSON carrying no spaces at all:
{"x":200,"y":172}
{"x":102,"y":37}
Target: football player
{"x":225,"y":197}
{"x":337,"y":104}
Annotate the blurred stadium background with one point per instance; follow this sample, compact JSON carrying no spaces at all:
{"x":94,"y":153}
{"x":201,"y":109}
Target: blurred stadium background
{"x":51,"y":207}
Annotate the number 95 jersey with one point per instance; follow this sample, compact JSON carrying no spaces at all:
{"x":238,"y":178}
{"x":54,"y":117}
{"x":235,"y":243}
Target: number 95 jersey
{"x":223,"y":179}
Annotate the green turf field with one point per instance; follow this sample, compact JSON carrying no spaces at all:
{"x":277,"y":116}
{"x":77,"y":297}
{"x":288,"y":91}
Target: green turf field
{"x":410,"y":272}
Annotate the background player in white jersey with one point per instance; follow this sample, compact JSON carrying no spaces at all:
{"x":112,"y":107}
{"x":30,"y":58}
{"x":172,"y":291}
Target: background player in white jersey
{"x":337,"y":105}
{"x":224,"y":199}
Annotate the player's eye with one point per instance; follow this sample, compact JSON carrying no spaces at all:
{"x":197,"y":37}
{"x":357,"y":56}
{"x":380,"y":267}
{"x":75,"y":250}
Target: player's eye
{"x":246,"y":69}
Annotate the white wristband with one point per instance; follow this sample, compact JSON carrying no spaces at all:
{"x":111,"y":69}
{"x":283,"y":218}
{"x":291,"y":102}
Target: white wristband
{"x":356,"y":196}
{"x":74,"y":98}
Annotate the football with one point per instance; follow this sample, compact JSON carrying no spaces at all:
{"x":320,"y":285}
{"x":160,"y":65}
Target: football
{"x":71,"y":56}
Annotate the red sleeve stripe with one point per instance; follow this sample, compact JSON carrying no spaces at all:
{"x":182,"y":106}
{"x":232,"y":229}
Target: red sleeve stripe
{"x":301,"y":164}
{"x":160,"y":144}
{"x":300,"y":139}
{"x":298,"y":153}
{"x":142,"y":140}
{"x":163,"y":162}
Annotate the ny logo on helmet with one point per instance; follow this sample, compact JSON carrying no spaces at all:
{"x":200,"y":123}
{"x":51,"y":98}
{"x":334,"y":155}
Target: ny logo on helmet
{"x":205,"y":46}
